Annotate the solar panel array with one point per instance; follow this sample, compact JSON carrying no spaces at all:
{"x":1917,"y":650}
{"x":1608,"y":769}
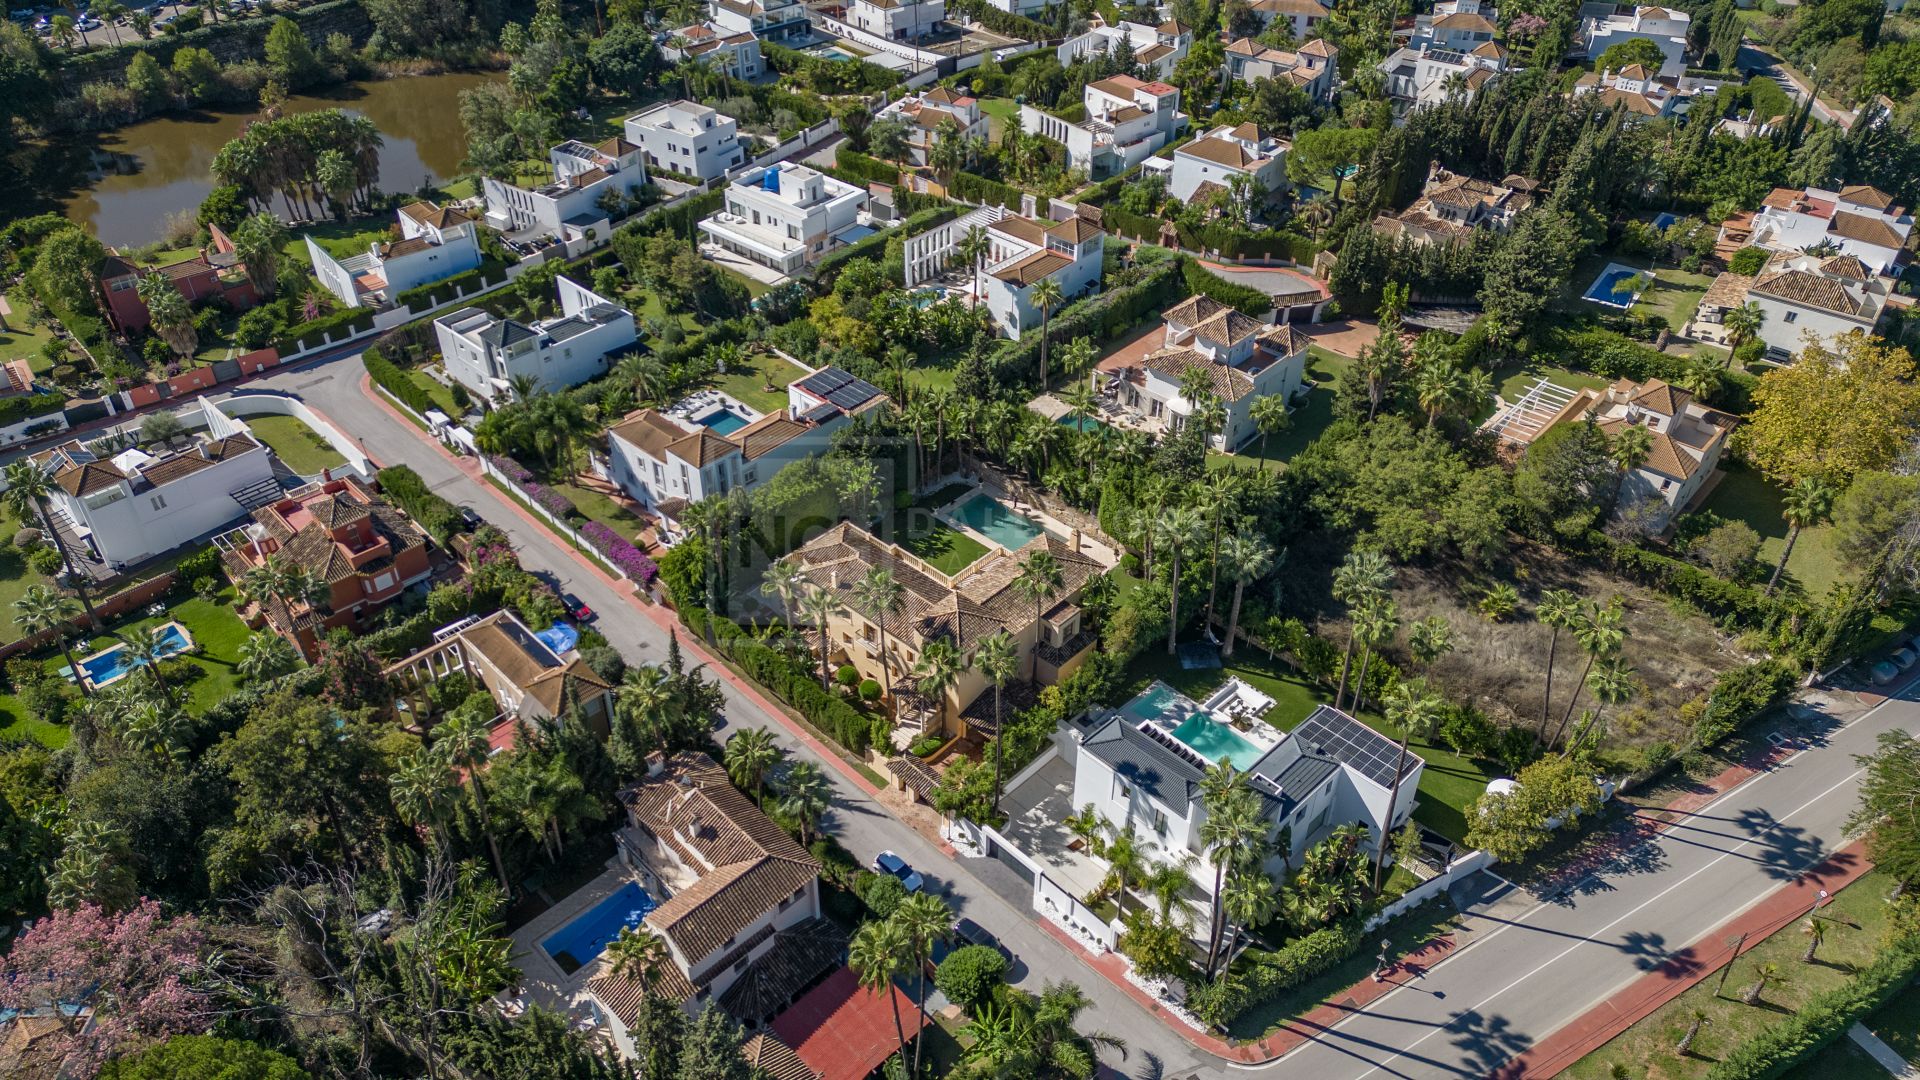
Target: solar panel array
{"x":1353,"y":744}
{"x":840,"y":387}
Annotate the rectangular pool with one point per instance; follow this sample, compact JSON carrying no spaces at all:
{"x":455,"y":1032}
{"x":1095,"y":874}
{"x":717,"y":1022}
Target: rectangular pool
{"x":1158,"y":701}
{"x":581,"y":941}
{"x":111,"y":665}
{"x":992,"y":519}
{"x":1602,"y":291}
{"x":724,"y":422}
{"x":1217,"y":742}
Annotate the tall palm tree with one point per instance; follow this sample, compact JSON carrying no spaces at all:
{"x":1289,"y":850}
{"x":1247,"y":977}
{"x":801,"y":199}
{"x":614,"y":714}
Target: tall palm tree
{"x":169,"y":313}
{"x":154,"y":727}
{"x":1248,"y":557}
{"x":1046,"y":296}
{"x":1559,"y":610}
{"x":927,"y":920}
{"x":468,"y":745}
{"x":877,"y":596}
{"x":1176,"y":534}
{"x":1809,"y":503}
{"x":1629,"y":450}
{"x":1741,"y":323}
{"x":750,"y":752}
{"x":1251,"y":900}
{"x":1040,"y":577}
{"x":819,"y":606}
{"x":1375,"y":623}
{"x":638,"y":955}
{"x":879,"y":952}
{"x":41,"y":609}
{"x":265,"y":656}
{"x":973,"y":249}
{"x":1429,"y":639}
{"x":1233,"y":826}
{"x":1611,"y":683}
{"x":1600,"y":633}
{"x":1416,"y":713}
{"x":1270,"y":417}
{"x":1362,"y":575}
{"x":938,"y":669}
{"x":1217,"y":501}
{"x":806,"y":796}
{"x":422,"y":790}
{"x":998,"y":660}
{"x":29,"y":486}
{"x":144,"y":649}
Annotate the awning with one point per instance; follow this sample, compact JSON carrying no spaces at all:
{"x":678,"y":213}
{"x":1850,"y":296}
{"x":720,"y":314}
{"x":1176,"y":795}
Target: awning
{"x":842,"y":1030}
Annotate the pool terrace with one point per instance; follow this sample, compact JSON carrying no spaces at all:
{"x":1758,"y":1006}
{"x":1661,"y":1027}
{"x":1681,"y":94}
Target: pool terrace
{"x":1227,"y":726}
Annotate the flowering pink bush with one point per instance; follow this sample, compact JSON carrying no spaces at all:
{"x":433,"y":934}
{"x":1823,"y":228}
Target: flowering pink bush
{"x":550,"y":500}
{"x":626,"y":558}
{"x":130,"y":968}
{"x":510,"y":469}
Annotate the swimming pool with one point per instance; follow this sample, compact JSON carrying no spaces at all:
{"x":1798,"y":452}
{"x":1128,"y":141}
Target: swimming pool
{"x":1602,"y":291}
{"x":834,"y":52}
{"x":1156,"y":701}
{"x":724,"y":422}
{"x":992,"y":519}
{"x":1217,"y":742}
{"x":925,"y":298}
{"x":581,"y":941}
{"x":113,"y":664}
{"x":1084,"y":423}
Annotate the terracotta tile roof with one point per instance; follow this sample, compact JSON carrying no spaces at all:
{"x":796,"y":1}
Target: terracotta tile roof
{"x":1228,"y":384}
{"x":1228,"y":327}
{"x":1284,"y":339}
{"x":795,"y":960}
{"x":1310,"y":8}
{"x":1021,"y":228}
{"x":1847,"y":266}
{"x":1867,"y":230}
{"x":573,"y":680}
{"x":169,"y":469}
{"x":1866,"y":195}
{"x":1153,"y":54}
{"x":768,"y":1054}
{"x":1635,"y":103}
{"x":1658,"y":395}
{"x":649,"y":431}
{"x":1665,"y":457}
{"x":1119,"y":85}
{"x":1194,"y":310}
{"x":89,"y":477}
{"x":231,"y":446}
{"x":405,"y":247}
{"x":1320,"y":47}
{"x":767,"y":434}
{"x":1219,"y":151}
{"x":1633,"y":71}
{"x":313,"y":549}
{"x":748,"y":863}
{"x":1076,"y":230}
{"x":1477,"y":78}
{"x":438,"y":217}
{"x":1807,"y":289}
{"x":1727,"y":291}
{"x":333,"y":511}
{"x":703,"y":448}
{"x":616,"y":146}
{"x":1034,"y":267}
{"x":1464,"y":20}
{"x":623,"y":996}
{"x":1174,"y":27}
{"x":916,"y":774}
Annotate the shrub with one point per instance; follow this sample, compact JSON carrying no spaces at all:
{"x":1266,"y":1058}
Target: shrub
{"x":1748,"y":261}
{"x":1262,"y":976}
{"x":1715,"y":596}
{"x":202,"y":563}
{"x":206,"y":587}
{"x":27,"y":406}
{"x":510,"y":469}
{"x":28,"y":538}
{"x":626,"y":558}
{"x":395,"y":382}
{"x":440,"y":518}
{"x":869,"y":690}
{"x":1203,"y":281}
{"x":862,"y":169}
{"x":44,"y":561}
{"x":969,"y":973}
{"x":1741,"y":693}
{"x":925,"y":745}
{"x":847,"y":675}
{"x":795,"y":684}
{"x":882,"y":893}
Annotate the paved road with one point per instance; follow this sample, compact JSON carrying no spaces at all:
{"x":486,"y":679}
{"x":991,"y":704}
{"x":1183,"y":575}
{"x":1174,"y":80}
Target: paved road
{"x":1766,"y":65}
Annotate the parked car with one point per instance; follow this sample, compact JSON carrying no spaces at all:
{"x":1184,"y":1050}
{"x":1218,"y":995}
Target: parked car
{"x":470,"y":519}
{"x":888,"y":863}
{"x":576,"y":607}
{"x":87,"y":24}
{"x":1902,"y":658}
{"x":1884,"y":673}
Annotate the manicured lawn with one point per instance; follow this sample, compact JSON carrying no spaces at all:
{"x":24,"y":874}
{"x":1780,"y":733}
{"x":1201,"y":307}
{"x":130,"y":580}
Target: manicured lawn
{"x":754,"y":286}
{"x":747,"y":382}
{"x":1449,"y":784}
{"x":15,"y":578}
{"x":441,"y":394}
{"x":1853,"y":923}
{"x":18,"y":341}
{"x":217,"y":633}
{"x":600,"y":508}
{"x":945,"y":548}
{"x":1674,"y":293}
{"x":1512,"y":381}
{"x":1744,"y":495}
{"x":1311,"y":418}
{"x":1001,"y":112}
{"x":302,"y":448}
{"x":341,"y":239}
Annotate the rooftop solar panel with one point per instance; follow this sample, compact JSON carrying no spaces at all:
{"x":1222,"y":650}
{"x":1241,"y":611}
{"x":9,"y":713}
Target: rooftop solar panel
{"x":1353,"y":744}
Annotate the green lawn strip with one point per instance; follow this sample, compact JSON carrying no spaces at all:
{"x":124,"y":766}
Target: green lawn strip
{"x":299,"y":446}
{"x":1449,"y":785}
{"x":18,"y":340}
{"x":441,"y":394}
{"x":754,"y":286}
{"x":1000,"y":112}
{"x":601,"y":508}
{"x":216,"y":631}
{"x":747,"y":382}
{"x":1647,"y":1048}
{"x":15,"y":578}
{"x":1512,"y":381}
{"x":340,"y":239}
{"x":1744,"y":495}
{"x":1897,"y":1024}
{"x":1407,"y":933}
{"x":941,"y":546}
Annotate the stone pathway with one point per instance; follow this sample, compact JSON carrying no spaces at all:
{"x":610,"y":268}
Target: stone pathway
{"x":1888,"y":1058}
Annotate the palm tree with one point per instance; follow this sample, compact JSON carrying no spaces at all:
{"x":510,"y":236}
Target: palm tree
{"x":422,"y":791}
{"x":1375,"y":623}
{"x":1559,"y":610}
{"x":1742,"y":323}
{"x":1175,"y":535}
{"x":750,"y":752}
{"x":1166,"y":882}
{"x":1436,"y":386}
{"x":1125,"y":864}
{"x":1763,"y":974}
{"x":877,"y":596}
{"x":1629,"y":450}
{"x":1697,"y":1020}
{"x":1416,"y":713}
{"x":878,"y":953}
{"x":144,"y":649}
{"x":28,"y":488}
{"x":1270,"y":418}
{"x":938,"y":669}
{"x":468,"y":744}
{"x":806,"y":796}
{"x":1429,"y":639}
{"x":1233,"y":826}
{"x":1362,"y":575}
{"x":1251,"y":900}
{"x":1046,"y":296}
{"x":1809,"y":503}
{"x":1600,"y":633}
{"x":169,"y":313}
{"x":265,"y":656}
{"x":1815,"y":933}
{"x":819,"y":606}
{"x":1216,"y":500}
{"x":1039,"y":578}
{"x":1248,"y":557}
{"x":41,"y":609}
{"x":1611,"y":683}
{"x":926,"y":919}
{"x":638,"y":955}
{"x":998,"y":660}
{"x":973,"y":249}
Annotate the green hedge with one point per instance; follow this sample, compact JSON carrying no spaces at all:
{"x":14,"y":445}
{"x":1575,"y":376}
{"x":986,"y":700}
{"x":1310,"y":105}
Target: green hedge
{"x":1792,"y":1039}
{"x":979,"y":189}
{"x":1717,"y":597}
{"x":1741,"y":693}
{"x":394,"y":381}
{"x":824,"y":709}
{"x":1203,"y":281}
{"x":424,"y":298}
{"x":27,"y":406}
{"x":1259,"y":977}
{"x":1100,"y":318}
{"x":1616,"y":356}
{"x":403,"y":638}
{"x":875,"y":246}
{"x":436,"y":515}
{"x":1002,"y":22}
{"x":293,"y":338}
{"x":864,"y":169}
{"x":676,"y":219}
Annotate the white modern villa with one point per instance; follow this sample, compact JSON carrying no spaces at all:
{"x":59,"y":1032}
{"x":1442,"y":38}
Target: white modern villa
{"x":1666,"y":28}
{"x":1858,"y":220}
{"x":1311,"y":67}
{"x":572,"y":207}
{"x":1127,"y":120}
{"x":785,"y":216}
{"x":688,"y":138}
{"x":485,"y":353}
{"x":897,"y":20}
{"x":736,"y":53}
{"x":435,"y":244}
{"x":1156,"y":48}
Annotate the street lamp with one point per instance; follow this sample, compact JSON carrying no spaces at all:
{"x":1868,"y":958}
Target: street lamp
{"x":1818,"y":901}
{"x":1380,"y":962}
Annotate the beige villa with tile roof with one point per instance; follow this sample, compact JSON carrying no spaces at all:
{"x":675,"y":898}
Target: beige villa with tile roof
{"x":528,"y":680}
{"x":1243,"y":359}
{"x":1311,"y":67}
{"x":1452,"y":205}
{"x":1800,"y":297}
{"x":1209,"y":162}
{"x":963,"y":609}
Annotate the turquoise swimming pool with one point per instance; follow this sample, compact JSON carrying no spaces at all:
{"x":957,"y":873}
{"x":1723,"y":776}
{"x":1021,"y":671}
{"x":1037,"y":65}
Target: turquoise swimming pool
{"x":1152,"y":703}
{"x":724,"y":422}
{"x":1217,"y":742}
{"x":994,"y":520}
{"x":578,"y":943}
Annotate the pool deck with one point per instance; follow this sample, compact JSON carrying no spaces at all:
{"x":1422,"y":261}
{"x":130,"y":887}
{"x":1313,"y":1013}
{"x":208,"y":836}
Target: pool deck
{"x":541,"y":978}
{"x":1094,"y":548}
{"x":79,"y":670}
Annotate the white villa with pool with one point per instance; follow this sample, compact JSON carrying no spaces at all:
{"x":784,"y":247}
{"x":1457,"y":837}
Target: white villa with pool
{"x":1142,"y":768}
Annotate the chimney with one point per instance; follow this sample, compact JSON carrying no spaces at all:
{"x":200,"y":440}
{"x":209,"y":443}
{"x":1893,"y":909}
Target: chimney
{"x":656,"y":763}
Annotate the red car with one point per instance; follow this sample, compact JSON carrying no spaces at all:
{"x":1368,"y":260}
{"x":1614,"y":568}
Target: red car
{"x":576,"y":608}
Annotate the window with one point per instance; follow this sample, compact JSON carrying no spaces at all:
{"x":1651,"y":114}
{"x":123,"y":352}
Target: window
{"x":1121,"y":792}
{"x":159,"y":502}
{"x":1793,"y":316}
{"x":1159,"y":822}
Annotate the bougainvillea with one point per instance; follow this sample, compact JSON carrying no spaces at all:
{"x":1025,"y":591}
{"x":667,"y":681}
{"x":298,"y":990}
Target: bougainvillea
{"x":510,"y":469}
{"x":626,"y":558}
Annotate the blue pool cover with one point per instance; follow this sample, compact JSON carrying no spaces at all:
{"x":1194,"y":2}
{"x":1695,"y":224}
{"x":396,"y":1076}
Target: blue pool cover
{"x":581,"y":941}
{"x":559,"y":637}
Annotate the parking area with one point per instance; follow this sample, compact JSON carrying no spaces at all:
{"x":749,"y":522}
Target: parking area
{"x":90,"y":32}
{"x":1037,"y":813}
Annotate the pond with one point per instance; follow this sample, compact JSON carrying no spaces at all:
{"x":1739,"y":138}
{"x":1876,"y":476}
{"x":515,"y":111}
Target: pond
{"x":127,"y":184}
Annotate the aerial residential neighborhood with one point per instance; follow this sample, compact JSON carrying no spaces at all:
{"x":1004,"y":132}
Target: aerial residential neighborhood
{"x":923,"y":539}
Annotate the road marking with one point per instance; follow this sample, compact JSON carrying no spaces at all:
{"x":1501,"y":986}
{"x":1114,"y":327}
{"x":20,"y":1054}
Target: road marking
{"x":1592,"y":938}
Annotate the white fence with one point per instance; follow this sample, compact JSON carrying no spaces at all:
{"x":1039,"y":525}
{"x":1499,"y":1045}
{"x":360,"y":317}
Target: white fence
{"x":554,"y":521}
{"x":1050,"y":898}
{"x":1456,"y":870}
{"x":246,"y":403}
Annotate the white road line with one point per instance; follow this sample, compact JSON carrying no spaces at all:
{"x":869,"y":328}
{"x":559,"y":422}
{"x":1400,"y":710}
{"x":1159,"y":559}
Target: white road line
{"x":1591,"y":939}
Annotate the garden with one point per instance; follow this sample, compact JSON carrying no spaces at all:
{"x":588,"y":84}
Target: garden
{"x":298,"y":446}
